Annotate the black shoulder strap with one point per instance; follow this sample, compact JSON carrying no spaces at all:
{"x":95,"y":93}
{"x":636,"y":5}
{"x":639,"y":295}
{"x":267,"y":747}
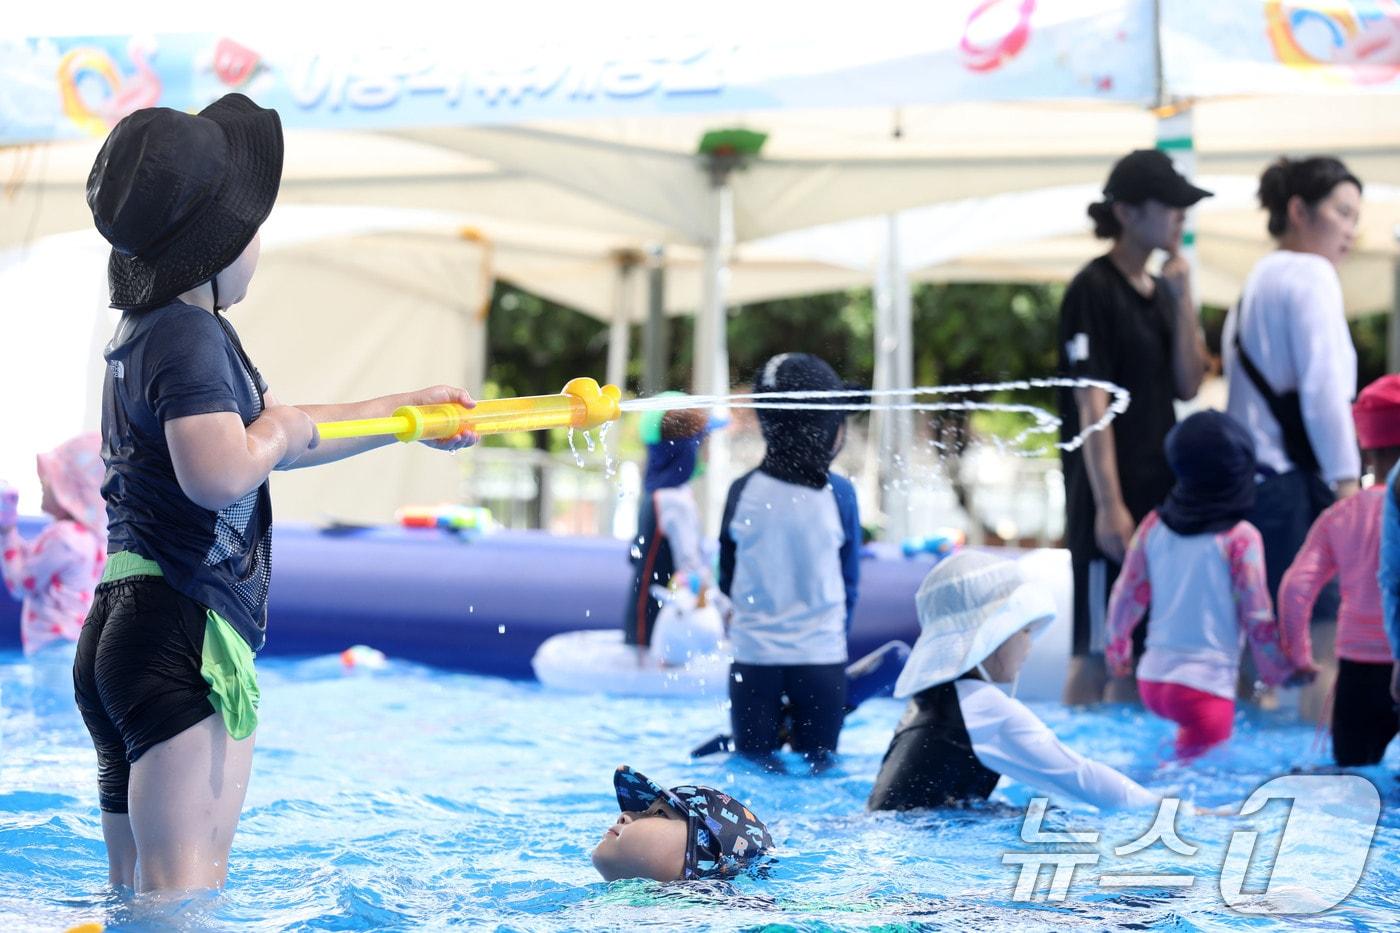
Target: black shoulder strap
{"x":1255,"y":376}
{"x":1286,"y":409}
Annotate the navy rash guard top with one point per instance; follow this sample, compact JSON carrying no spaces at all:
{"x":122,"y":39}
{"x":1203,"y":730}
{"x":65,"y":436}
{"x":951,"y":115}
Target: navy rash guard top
{"x":172,"y":362}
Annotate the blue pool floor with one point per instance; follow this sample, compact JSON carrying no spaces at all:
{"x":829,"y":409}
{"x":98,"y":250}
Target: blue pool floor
{"x":416,"y":799}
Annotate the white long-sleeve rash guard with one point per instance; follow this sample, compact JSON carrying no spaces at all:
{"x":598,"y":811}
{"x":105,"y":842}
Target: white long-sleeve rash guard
{"x":1011,"y":740}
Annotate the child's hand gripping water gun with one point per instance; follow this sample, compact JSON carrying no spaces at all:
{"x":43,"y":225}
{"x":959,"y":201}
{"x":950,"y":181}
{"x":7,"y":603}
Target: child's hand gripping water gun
{"x":582,"y":404}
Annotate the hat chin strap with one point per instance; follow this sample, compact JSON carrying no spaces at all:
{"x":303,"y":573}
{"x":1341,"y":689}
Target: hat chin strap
{"x":1015,"y":681}
{"x":214,"y":288}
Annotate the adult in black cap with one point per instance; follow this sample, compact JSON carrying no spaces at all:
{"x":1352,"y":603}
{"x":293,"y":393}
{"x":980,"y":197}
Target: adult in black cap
{"x":1119,"y":323}
{"x":164,"y":672}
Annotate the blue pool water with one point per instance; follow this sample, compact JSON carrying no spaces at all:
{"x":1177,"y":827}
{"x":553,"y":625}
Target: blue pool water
{"x":416,"y":799}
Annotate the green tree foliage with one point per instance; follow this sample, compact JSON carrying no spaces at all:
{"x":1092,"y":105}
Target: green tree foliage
{"x":839,"y":328}
{"x":1370,"y":333}
{"x":534,"y":346}
{"x":963,"y":332}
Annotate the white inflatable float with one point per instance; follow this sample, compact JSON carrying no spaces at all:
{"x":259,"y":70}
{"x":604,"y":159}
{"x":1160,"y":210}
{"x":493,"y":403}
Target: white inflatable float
{"x":597,"y":661}
{"x":688,"y":656}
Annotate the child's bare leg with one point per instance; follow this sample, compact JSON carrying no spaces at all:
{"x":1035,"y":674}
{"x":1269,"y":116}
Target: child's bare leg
{"x":1122,"y":690}
{"x":1086,"y":680}
{"x":121,"y":849}
{"x":1314,"y":699}
{"x":185,"y":798}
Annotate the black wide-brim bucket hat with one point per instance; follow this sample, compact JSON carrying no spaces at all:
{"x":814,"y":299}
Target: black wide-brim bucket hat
{"x":180,"y":196}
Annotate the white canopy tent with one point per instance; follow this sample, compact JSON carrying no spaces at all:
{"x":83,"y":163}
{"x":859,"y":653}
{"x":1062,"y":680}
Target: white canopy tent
{"x":347,"y":303}
{"x":1045,"y":236}
{"x":964,"y":100}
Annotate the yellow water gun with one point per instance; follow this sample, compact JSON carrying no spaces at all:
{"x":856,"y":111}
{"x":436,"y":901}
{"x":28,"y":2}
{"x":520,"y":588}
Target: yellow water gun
{"x":583,"y":404}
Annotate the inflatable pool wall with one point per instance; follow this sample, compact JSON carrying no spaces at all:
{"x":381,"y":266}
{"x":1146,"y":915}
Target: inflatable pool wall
{"x":485,"y":604}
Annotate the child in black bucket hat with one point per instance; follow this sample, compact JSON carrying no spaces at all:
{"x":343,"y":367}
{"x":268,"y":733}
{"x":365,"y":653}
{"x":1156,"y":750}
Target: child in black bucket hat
{"x":681,"y":834}
{"x":164,"y":673}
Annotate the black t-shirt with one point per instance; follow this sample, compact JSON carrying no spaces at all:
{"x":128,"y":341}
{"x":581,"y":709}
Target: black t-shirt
{"x":1109,"y":331}
{"x":172,"y":362}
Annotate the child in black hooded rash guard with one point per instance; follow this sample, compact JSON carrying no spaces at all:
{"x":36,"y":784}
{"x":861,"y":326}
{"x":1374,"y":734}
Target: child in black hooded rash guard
{"x":789,"y":551}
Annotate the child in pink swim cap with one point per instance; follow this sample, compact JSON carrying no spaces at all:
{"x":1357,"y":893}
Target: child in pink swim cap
{"x":55,"y":573}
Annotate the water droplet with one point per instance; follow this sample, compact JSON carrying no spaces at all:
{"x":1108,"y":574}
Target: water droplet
{"x":636,"y":552}
{"x":750,"y":599}
{"x":768,"y":506}
{"x":609,"y":467}
{"x":588,"y":439}
{"x":500,"y":629}
{"x":587,"y":613}
{"x":578,"y":457}
{"x":738,"y":677}
{"x":471,"y":609}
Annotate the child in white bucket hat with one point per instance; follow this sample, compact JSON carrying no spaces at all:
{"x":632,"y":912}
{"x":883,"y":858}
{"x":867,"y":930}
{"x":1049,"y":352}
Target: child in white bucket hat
{"x":960,"y":733}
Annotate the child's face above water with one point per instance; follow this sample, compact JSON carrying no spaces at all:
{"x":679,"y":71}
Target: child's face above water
{"x":649,"y":844}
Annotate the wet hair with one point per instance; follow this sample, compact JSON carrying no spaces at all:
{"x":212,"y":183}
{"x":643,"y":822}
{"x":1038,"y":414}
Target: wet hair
{"x":1311,"y":179}
{"x":1106,"y":226}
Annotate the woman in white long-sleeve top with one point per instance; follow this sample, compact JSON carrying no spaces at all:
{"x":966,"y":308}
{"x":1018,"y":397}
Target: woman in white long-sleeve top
{"x":961,"y":733}
{"x":1291,"y":368}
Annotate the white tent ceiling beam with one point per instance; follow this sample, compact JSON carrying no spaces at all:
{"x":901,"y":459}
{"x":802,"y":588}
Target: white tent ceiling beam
{"x":1043,"y":236}
{"x":663,"y":188}
{"x":596,"y":176}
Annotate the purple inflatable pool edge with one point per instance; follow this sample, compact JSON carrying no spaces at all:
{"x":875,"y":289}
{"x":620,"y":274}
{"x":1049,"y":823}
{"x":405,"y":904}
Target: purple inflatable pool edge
{"x":485,"y":604}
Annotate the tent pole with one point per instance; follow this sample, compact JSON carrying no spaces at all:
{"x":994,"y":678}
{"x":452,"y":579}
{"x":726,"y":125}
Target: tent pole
{"x":879,"y":443}
{"x":656,"y":334}
{"x":711,"y":362}
{"x":903,"y":320}
{"x":478,"y":333}
{"x":619,"y":333}
{"x":619,"y":337}
{"x":894,"y":368}
{"x":1176,"y":137}
{"x":1393,"y":331}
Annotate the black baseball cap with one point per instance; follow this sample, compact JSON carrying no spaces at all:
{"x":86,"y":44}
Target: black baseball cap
{"x":1148,"y":174}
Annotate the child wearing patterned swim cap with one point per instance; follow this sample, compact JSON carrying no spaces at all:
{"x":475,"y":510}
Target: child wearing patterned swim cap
{"x":681,"y":834}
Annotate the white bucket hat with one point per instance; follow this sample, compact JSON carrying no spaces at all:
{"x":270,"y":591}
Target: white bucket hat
{"x":969,"y":605}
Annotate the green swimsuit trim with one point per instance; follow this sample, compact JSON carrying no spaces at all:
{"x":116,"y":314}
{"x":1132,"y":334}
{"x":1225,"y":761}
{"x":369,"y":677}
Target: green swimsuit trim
{"x":226,"y":660}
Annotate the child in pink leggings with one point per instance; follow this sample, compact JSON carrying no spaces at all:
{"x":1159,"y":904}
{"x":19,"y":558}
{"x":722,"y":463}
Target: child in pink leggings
{"x":1199,"y":566}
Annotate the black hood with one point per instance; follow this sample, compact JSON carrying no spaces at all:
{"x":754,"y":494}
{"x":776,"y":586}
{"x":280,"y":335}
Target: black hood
{"x":801,"y":442}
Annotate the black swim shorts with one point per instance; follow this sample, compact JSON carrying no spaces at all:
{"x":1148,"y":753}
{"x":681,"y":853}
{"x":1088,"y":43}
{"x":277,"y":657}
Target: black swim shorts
{"x":137,"y":675}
